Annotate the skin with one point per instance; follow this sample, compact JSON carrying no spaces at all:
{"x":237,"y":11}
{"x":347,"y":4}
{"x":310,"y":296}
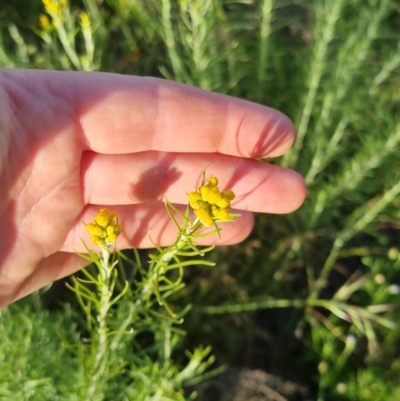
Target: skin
{"x":72,"y":142}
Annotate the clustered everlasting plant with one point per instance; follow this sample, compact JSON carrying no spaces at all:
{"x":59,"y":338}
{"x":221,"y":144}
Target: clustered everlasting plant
{"x":97,"y":295}
{"x":210,"y":207}
{"x":105,"y":228}
{"x":210,"y":204}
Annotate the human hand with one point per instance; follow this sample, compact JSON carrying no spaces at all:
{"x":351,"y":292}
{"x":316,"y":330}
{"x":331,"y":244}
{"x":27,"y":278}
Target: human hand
{"x":72,"y":142}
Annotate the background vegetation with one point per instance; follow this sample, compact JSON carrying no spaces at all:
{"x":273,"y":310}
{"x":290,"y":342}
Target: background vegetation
{"x":312,"y":296}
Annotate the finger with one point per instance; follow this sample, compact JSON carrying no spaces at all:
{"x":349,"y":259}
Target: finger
{"x":147,"y":224}
{"x":150,"y":176}
{"x":154,"y":114}
{"x":124,"y":114}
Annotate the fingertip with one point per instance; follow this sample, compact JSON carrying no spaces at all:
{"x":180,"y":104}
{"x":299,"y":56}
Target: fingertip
{"x":287,"y":131}
{"x":258,"y":131}
{"x":299,"y":190}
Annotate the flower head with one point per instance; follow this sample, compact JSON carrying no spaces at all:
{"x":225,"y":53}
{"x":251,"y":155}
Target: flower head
{"x":104,"y":229}
{"x":210,"y":204}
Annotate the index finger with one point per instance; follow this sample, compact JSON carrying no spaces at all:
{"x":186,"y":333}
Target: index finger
{"x":154,"y":114}
{"x":126,"y":114}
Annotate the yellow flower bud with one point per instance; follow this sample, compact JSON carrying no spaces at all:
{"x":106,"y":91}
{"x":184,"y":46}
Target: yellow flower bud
{"x":52,"y":7}
{"x":213,"y":181}
{"x":222,"y":202}
{"x":85,"y":20}
{"x":103,"y":218}
{"x":230,"y":195}
{"x":194,"y":198}
{"x":111,"y":238}
{"x":110,"y":230}
{"x":204,"y":215}
{"x":45,"y":23}
{"x":96,"y":240}
{"x":55,"y":7}
{"x":221,"y":214}
{"x":94,"y":229}
{"x":210,"y":194}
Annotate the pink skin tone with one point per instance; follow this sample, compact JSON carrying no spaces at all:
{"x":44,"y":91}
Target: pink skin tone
{"x":72,"y":142}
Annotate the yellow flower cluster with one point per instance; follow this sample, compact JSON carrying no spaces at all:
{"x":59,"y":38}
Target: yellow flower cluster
{"x":105,"y":228}
{"x":210,"y":204}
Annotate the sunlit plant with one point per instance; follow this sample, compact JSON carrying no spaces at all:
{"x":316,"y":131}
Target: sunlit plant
{"x":96,"y":292}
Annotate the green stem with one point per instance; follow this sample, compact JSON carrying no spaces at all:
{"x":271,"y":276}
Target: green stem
{"x":316,"y":71}
{"x":99,"y":363}
{"x":353,"y":227}
{"x":170,"y":43}
{"x":159,"y":265}
{"x":265,"y":31}
{"x":256,"y":305}
{"x":71,"y":53}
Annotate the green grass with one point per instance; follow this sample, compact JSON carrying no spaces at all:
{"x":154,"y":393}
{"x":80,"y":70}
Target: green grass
{"x":313,"y":296}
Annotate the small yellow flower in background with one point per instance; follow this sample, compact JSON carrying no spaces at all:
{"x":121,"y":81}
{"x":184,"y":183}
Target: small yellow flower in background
{"x":55,"y":7}
{"x":105,"y":228}
{"x":85,"y":20}
{"x":210,"y":204}
{"x":45,"y":23}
